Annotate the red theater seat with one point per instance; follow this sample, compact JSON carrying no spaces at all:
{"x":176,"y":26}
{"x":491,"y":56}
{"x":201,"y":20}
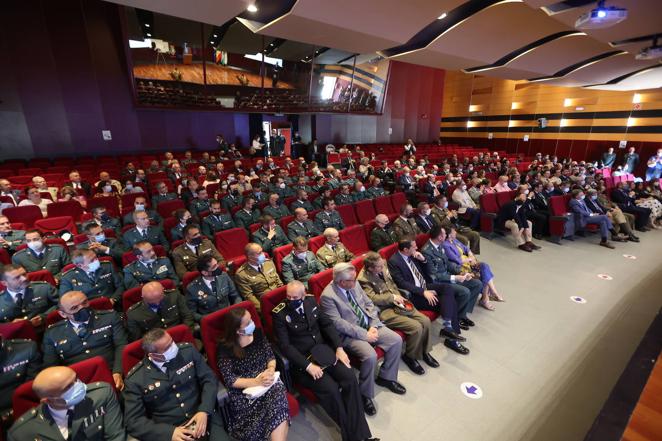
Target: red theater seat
{"x":268,"y":302}
{"x":388,"y":251}
{"x":315,"y":243}
{"x":383,"y":205}
{"x":65,"y":208}
{"x":354,"y":239}
{"x":230,"y":243}
{"x":99,"y":304}
{"x":319,"y":281}
{"x":27,"y":214}
{"x":4,"y":257}
{"x":365,"y":211}
{"x":347,"y":214}
{"x":279,"y":254}
{"x":166,"y":208}
{"x":112,"y":205}
{"x":397,"y":200}
{"x":189,"y":277}
{"x":55,"y":225}
{"x":42,"y":275}
{"x":18,"y":329}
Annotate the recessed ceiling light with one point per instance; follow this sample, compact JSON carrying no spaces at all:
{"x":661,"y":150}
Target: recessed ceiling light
{"x":251,"y":8}
{"x":148,"y":34}
{"x":442,"y":16}
{"x":146,"y":25}
{"x":215,"y":35}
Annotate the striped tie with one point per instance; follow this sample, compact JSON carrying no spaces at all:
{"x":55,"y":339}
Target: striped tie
{"x":417,"y":273}
{"x":363,"y":321}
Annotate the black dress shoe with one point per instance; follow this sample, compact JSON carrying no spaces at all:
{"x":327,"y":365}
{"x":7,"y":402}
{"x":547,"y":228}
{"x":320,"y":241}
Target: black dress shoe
{"x":464,"y":326}
{"x":414,"y":365}
{"x":430,"y":361}
{"x":369,"y":407}
{"x":633,"y":239}
{"x":371,"y":439}
{"x":393,"y":386}
{"x":449,"y":333}
{"x":456,"y":346}
{"x":467,"y":321}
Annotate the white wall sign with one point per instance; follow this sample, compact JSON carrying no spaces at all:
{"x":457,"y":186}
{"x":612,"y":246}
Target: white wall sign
{"x":106,"y":135}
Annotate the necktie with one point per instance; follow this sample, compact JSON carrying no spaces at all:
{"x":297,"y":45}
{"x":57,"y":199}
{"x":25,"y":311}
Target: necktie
{"x":259,"y":268}
{"x":82,"y":330}
{"x":19,"y":300}
{"x":70,"y":421}
{"x":40,"y":256}
{"x":417,"y":273}
{"x":363,"y":321}
{"x":150,"y":266}
{"x":213,"y":286}
{"x":144,"y":234}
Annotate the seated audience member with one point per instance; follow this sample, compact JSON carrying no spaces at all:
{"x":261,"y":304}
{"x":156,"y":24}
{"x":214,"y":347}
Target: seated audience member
{"x":408,"y":272}
{"x":512,"y":216}
{"x":67,"y":405}
{"x":405,"y":225}
{"x":301,"y":226}
{"x":355,"y":317}
{"x":101,"y":217}
{"x":140,"y":204}
{"x":622,"y":230}
{"x":407,"y":183}
{"x":644,"y":199}
{"x":151,"y":413}
{"x":86,"y":333}
{"x":269,"y":236}
{"x":144,"y":231}
{"x":105,"y":179}
{"x":448,"y":218}
{"x":459,"y":254}
{"x":424,"y":219}
{"x":232,"y":199}
{"x":104,"y":189}
{"x":344,"y":197}
{"x":333,"y":251}
{"x":162,"y":194}
{"x":329,"y":217}
{"x":82,"y":187}
{"x":376,"y":189}
{"x":41,"y":185}
{"x":301,"y":264}
{"x":100,"y":244}
{"x":159,"y":308}
{"x":200,"y":204}
{"x":585,"y":217}
{"x":276,"y":209}
{"x":22,"y":299}
{"x":211,"y":291}
{"x":33,"y":198}
{"x":461,"y":197}
{"x":379,"y":286}
{"x":185,"y":256}
{"x":539,"y":220}
{"x":248,"y":215}
{"x":502,"y":184}
{"x":183,"y":218}
{"x":246,"y":360}
{"x":302,"y":332}
{"x":538,"y":202}
{"x":148,"y":267}
{"x":216,"y":220}
{"x":654,"y":167}
{"x":20,"y":361}
{"x":302,"y":201}
{"x":626,"y":201}
{"x":382,"y":235}
{"x":69,"y":194}
{"x":39,"y":256}
{"x":10,"y":239}
{"x":257,"y":276}
{"x":130,"y":187}
{"x":92,"y":276}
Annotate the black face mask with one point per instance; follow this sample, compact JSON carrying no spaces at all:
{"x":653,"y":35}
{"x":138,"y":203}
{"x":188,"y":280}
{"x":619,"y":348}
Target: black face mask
{"x":295,"y":304}
{"x":105,"y":217}
{"x":196,"y":241}
{"x":82,"y":315}
{"x":519,"y":202}
{"x":235,"y":193}
{"x":217,"y":272}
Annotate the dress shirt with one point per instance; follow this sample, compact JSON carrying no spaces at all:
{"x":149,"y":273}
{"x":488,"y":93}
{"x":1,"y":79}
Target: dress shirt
{"x":61,"y":420}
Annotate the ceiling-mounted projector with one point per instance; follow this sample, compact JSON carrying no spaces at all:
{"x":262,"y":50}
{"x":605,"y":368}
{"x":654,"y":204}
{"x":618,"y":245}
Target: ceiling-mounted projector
{"x":601,"y":17}
{"x":650,"y":53}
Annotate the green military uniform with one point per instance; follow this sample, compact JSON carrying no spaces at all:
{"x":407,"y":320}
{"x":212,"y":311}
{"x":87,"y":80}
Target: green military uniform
{"x":325,"y":220}
{"x":329,"y":257}
{"x":359,"y":196}
{"x":212,"y":224}
{"x":97,"y":418}
{"x":305,"y":229}
{"x":39,"y":298}
{"x":252,"y":283}
{"x":13,"y":239}
{"x":154,"y":235}
{"x":318,"y":203}
{"x":116,"y":248}
{"x":104,"y":335}
{"x":380,"y":238}
{"x":177,"y":232}
{"x":137,"y":273}
{"x":278,"y":212}
{"x":163,"y":198}
{"x":185,"y":259}
{"x":53,"y":258}
{"x":305,"y":187}
{"x":245,"y":219}
{"x":279,"y":239}
{"x":198,"y":206}
{"x":465,"y":235}
{"x":140,"y":318}
{"x":300,"y":269}
{"x":154,"y":218}
{"x":416,"y":326}
{"x":155,"y":402}
{"x":20,"y":361}
{"x":105,"y":282}
{"x":333,"y":183}
{"x":301,"y":204}
{"x":108,"y":223}
{"x":344,"y":199}
{"x":203,"y":299}
{"x":405,"y":228}
{"x":259,"y":197}
{"x":375,"y":192}
{"x":284,"y":192}
{"x":348,"y":181}
{"x":229,"y":202}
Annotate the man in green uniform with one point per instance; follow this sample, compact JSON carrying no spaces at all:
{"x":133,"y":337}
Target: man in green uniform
{"x":270,"y":236}
{"x":199,"y":204}
{"x":216,"y":220}
{"x":382,"y":235}
{"x":301,"y":264}
{"x":22,"y":299}
{"x":329,"y":217}
{"x":140,"y":204}
{"x":274,"y":209}
{"x":93,"y":277}
{"x":100,"y":244}
{"x":301,"y":226}
{"x":248,"y":215}
{"x":147,"y":267}
{"x":38,"y":256}
{"x":9,"y":238}
{"x":20,"y":360}
{"x":144,"y":231}
{"x":211,"y":291}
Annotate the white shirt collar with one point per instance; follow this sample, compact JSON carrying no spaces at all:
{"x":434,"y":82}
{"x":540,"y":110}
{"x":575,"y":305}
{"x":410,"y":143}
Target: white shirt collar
{"x":191,"y":247}
{"x":255,"y":267}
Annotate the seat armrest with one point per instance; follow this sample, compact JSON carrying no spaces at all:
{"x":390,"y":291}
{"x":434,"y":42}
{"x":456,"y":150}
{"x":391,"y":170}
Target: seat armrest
{"x":223,"y":401}
{"x":283,"y":365}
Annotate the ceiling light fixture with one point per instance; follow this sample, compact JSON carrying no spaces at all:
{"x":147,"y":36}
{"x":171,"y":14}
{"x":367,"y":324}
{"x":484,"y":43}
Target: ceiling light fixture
{"x":148,"y":34}
{"x":146,"y":25}
{"x":632,"y":122}
{"x":442,"y":16}
{"x":636,"y":98}
{"x":215,"y":35}
{"x":567,"y":102}
{"x":251,"y":8}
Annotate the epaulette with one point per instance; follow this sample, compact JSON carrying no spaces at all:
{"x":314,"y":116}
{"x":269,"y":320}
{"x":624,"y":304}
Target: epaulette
{"x":134,"y":306}
{"x":70,"y":270}
{"x":103,"y":311}
{"x":309,"y":295}
{"x":58,"y":323}
{"x":97,"y":385}
{"x":39,"y":282}
{"x":279,"y":307}
{"x":20,"y":340}
{"x":184,"y":344}
{"x":135,"y":368}
{"x":106,"y":262}
{"x":25,"y":418}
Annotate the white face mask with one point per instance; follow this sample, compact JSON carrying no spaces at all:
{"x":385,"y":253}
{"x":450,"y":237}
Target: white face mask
{"x":36,"y":246}
{"x":107,"y":188}
{"x":302,"y":256}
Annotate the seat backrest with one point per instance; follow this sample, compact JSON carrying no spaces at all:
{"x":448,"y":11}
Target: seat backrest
{"x":130,"y":297}
{"x":27,"y":214}
{"x":65,"y":208}
{"x":230,"y":243}
{"x":18,"y":329}
{"x":91,"y":370}
{"x":166,"y":208}
{"x":98,"y":304}
{"x":354,"y":239}
{"x":488,"y":203}
{"x":318,"y":282}
{"x":347,"y":214}
{"x":5,"y":259}
{"x":365,"y":211}
{"x":558,"y":205}
{"x":268,"y":302}
{"x":211,"y":327}
{"x":397,"y":200}
{"x":279,"y":254}
{"x":421,"y":239}
{"x":284,"y":221}
{"x":133,"y":352}
{"x":56,"y":225}
{"x":358,"y":263}
{"x":388,"y":251}
{"x":315,"y":243}
{"x":129,"y":198}
{"x":41,"y":275}
{"x":111,"y":203}
{"x":503,"y":198}
{"x":189,"y":277}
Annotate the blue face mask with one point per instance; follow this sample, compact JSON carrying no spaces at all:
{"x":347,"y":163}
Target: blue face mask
{"x":75,"y":394}
{"x":582,"y":197}
{"x":100,"y":237}
{"x":261,"y":259}
{"x":594,"y":198}
{"x":94,"y":265}
{"x":139,"y":207}
{"x":248,"y":330}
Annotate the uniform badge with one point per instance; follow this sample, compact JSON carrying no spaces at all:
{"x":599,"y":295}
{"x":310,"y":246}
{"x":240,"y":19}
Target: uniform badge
{"x":288,"y":319}
{"x":157,"y":384}
{"x":150,"y":387}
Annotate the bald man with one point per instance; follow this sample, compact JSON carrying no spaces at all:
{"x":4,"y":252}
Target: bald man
{"x":85,"y":333}
{"x":159,"y":308}
{"x":382,"y":235}
{"x":70,"y":410}
{"x":257,"y":276}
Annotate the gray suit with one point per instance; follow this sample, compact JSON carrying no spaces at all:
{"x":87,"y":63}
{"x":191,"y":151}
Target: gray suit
{"x":336,"y":307}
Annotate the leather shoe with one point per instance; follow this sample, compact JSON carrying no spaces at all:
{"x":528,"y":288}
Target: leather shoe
{"x":606,"y":244}
{"x":430,"y":361}
{"x":633,"y":239}
{"x":525,"y":247}
{"x":369,"y":407}
{"x":371,"y":439}
{"x":533,"y":246}
{"x":467,"y":321}
{"x":456,"y":346}
{"x":414,"y":365}
{"x":449,"y":333}
{"x":393,"y":386}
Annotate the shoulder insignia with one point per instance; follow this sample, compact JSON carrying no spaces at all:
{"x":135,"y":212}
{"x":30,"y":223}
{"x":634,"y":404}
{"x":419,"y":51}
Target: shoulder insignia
{"x":56,"y":324}
{"x":309,"y":295}
{"x":107,"y":262}
{"x":69,"y":270}
{"x":39,"y":282}
{"x":134,"y":306}
{"x":184,"y":344}
{"x":278,"y":307}
{"x":135,"y":368}
{"x":103,"y":311}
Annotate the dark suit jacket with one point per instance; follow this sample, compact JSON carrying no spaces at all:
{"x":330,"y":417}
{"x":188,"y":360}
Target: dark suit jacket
{"x":86,"y":186}
{"x":540,"y":203}
{"x":402,"y":275}
{"x":595,"y":206}
{"x":407,"y":185}
{"x":424,"y":227}
{"x":622,"y":198}
{"x":509,"y":212}
{"x":380,"y":238}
